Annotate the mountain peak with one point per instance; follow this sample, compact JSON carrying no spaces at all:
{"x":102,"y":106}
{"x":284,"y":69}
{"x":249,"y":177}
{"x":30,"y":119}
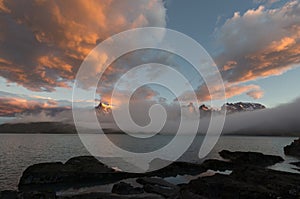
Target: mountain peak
{"x":232,"y":108}
{"x":103,"y":108}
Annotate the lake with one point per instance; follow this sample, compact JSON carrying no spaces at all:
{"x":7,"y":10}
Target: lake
{"x":18,"y":151}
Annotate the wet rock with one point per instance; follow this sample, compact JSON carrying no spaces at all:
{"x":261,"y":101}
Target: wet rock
{"x":293,"y":149}
{"x":163,"y":191}
{"x":87,"y":171}
{"x":245,"y":182}
{"x":155,"y":181}
{"x":285,"y":184}
{"x":250,"y":158}
{"x":176,"y":168}
{"x":158,"y":186}
{"x":217,"y":165}
{"x":78,"y":170}
{"x":223,"y":186}
{"x":123,"y":188}
{"x":296,"y":164}
{"x":186,"y":194}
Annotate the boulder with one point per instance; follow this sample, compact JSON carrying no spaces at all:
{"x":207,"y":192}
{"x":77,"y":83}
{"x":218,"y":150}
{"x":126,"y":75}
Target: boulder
{"x":76,"y":171}
{"x":293,"y":149}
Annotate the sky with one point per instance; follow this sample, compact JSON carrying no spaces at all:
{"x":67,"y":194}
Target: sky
{"x":254,"y":43}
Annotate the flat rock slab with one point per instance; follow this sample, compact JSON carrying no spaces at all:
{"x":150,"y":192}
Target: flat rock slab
{"x":251,"y":158}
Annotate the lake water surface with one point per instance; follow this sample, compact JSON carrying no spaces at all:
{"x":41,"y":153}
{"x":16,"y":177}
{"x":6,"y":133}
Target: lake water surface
{"x":18,"y":151}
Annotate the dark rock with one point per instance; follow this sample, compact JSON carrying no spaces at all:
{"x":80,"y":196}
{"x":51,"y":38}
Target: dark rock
{"x":8,"y":194}
{"x":176,"y":168}
{"x":186,"y":194}
{"x":76,"y":171}
{"x":217,"y":165}
{"x":163,"y":191}
{"x":246,"y":182}
{"x":88,"y":171}
{"x":159,"y":186}
{"x":37,"y":195}
{"x":27,"y":195}
{"x":293,"y":149}
{"x":111,"y":196}
{"x":296,"y":164}
{"x":223,"y":186}
{"x":155,"y":181}
{"x":123,"y":188}
{"x":284,"y":184}
{"x":250,"y":158}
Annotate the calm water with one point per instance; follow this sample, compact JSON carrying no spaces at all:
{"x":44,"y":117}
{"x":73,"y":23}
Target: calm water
{"x":17,"y":152}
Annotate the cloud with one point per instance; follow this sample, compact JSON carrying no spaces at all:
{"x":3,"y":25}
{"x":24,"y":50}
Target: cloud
{"x":144,"y":93}
{"x":231,"y":90}
{"x":256,"y":94}
{"x":42,"y":43}
{"x":257,"y":44}
{"x":281,"y":120}
{"x":260,"y":43}
{"x":12,"y":106}
{"x":268,"y":2}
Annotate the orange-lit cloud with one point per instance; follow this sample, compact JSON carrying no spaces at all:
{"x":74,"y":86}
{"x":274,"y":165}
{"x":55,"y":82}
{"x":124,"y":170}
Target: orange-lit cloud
{"x":42,"y":43}
{"x":143,"y":93}
{"x":260,"y":43}
{"x":231,"y":90}
{"x":256,"y":94}
{"x":10,"y":106}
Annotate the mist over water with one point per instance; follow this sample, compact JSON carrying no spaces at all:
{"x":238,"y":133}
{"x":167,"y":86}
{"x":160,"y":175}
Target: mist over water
{"x":279,"y":121}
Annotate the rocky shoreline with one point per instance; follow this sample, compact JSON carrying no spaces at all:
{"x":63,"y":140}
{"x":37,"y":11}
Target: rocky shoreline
{"x":248,"y":177}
